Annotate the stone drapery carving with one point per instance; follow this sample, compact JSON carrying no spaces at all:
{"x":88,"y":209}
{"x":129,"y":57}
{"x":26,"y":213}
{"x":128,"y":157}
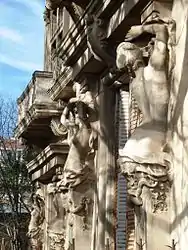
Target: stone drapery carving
{"x":57,"y":241}
{"x":144,"y":159}
{"x":35,"y":230}
{"x":97,"y":41}
{"x":66,"y":207}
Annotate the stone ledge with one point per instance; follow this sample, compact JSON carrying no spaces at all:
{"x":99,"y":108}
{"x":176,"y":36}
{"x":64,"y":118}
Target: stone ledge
{"x":44,"y":165}
{"x":37,"y":112}
{"x":41,"y":74}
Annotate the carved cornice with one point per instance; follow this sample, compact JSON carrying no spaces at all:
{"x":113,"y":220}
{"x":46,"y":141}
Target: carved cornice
{"x":47,"y":154}
{"x":37,"y":111}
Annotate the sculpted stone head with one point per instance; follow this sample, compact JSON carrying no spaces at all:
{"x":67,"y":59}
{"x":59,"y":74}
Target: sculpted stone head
{"x":127,"y":55}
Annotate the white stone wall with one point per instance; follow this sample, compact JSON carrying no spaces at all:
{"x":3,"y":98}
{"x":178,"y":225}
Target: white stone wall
{"x":178,"y":128}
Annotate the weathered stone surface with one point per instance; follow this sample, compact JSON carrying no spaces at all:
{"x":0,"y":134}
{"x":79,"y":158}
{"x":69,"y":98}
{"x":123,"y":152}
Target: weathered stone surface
{"x":144,"y":159}
{"x":76,"y":126}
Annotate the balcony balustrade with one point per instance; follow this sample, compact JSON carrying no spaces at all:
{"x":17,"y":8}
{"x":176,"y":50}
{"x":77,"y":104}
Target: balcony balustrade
{"x":35,"y":110}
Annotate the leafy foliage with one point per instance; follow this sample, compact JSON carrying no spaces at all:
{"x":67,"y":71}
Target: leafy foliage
{"x":15,"y":184}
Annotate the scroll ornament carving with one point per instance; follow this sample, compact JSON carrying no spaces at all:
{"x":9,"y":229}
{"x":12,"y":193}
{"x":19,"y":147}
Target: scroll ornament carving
{"x":145,"y":161}
{"x":35,"y":230}
{"x":57,"y":128}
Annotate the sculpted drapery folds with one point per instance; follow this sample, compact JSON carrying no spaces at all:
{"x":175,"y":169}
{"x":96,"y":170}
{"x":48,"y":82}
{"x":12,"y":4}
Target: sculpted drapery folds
{"x":144,"y":159}
{"x":35,"y":230}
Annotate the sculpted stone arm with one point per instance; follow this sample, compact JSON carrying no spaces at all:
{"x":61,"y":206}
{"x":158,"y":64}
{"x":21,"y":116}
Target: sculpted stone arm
{"x":158,"y":56}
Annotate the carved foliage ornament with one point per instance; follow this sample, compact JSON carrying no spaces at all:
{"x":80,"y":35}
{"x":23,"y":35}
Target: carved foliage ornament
{"x":144,"y":160}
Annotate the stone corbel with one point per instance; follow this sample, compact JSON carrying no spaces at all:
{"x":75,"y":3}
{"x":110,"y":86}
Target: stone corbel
{"x":155,"y":177}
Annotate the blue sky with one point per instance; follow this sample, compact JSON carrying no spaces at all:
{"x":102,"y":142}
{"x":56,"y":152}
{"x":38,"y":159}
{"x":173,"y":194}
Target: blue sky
{"x":21,"y":44}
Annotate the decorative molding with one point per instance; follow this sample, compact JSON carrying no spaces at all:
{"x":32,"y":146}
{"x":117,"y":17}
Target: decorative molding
{"x":153,"y":176}
{"x":57,"y":127}
{"x":54,"y":149}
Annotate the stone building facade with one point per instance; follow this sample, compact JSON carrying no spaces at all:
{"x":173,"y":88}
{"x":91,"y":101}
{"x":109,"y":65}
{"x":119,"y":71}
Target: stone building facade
{"x":108,"y":116}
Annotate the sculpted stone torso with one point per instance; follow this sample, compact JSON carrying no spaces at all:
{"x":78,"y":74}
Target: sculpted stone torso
{"x":77,"y":166}
{"x":150,"y":88}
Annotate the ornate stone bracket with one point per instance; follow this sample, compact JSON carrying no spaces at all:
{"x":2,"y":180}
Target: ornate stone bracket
{"x":153,"y":176}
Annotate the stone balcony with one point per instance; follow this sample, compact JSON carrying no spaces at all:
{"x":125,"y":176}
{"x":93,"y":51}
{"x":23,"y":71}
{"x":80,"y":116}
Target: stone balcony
{"x":36,"y":109}
{"x":43,"y":167}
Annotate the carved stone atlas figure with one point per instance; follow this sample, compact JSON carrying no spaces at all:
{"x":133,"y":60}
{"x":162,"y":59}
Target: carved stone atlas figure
{"x":144,"y":160}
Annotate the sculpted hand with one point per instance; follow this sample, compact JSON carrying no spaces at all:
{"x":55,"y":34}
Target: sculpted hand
{"x":134,"y":32}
